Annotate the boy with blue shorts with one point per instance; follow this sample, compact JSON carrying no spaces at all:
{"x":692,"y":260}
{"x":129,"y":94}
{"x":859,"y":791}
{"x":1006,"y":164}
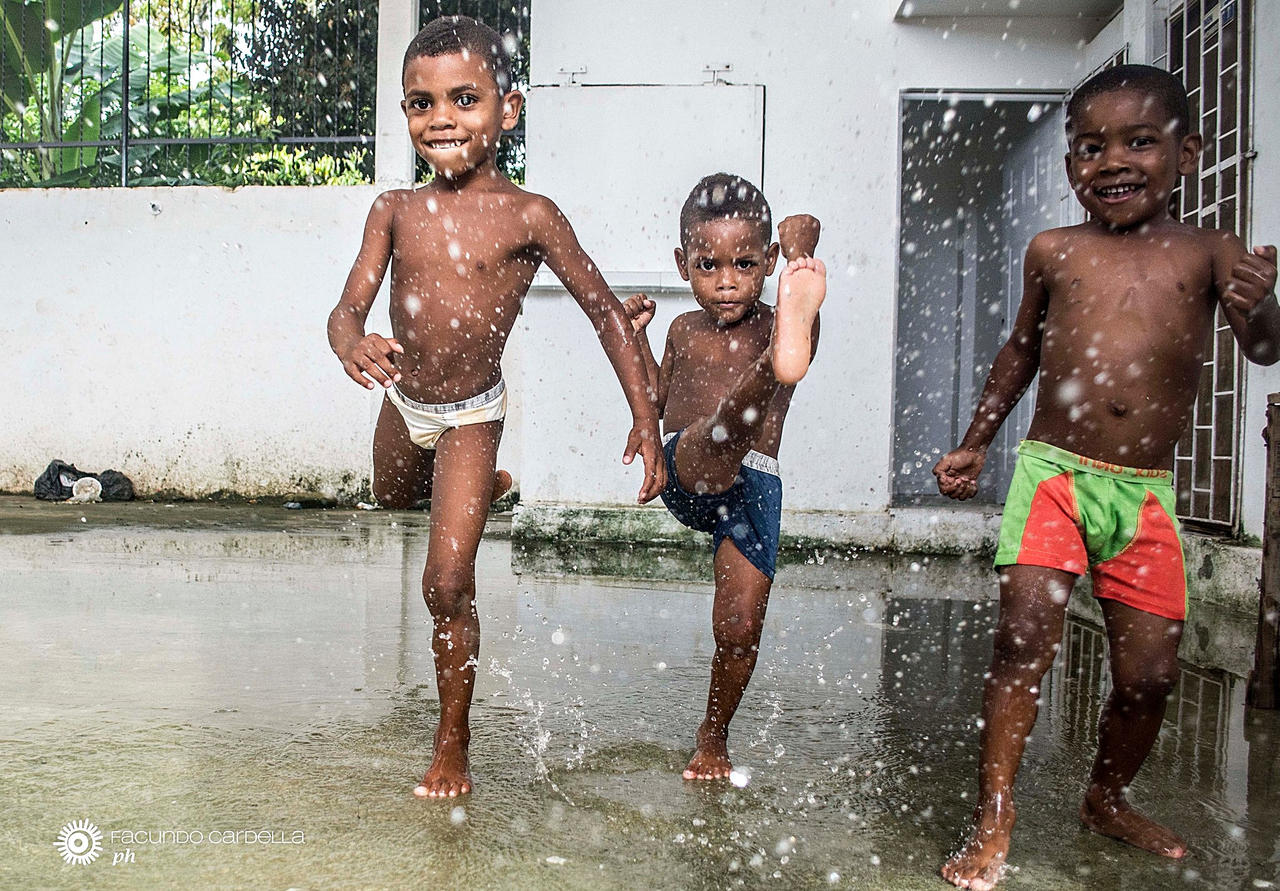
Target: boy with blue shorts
{"x":725,"y":384}
{"x":1116,"y":314}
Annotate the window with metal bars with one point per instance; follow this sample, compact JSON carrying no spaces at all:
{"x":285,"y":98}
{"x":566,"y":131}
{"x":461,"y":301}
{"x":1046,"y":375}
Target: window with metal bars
{"x":511,"y":19}
{"x":1209,"y":43}
{"x":166,"y":92}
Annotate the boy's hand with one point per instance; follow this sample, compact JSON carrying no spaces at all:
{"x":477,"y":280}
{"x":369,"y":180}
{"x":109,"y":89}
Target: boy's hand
{"x":370,"y":361}
{"x":958,"y":471}
{"x":1252,"y":279}
{"x":645,"y":440}
{"x":798,"y":235}
{"x":639,"y":310}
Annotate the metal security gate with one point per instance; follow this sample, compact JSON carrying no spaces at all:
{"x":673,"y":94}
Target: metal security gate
{"x":1209,"y":47}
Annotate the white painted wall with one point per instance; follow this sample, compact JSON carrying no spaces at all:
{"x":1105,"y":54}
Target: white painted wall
{"x":832,"y":74}
{"x":178,"y":335}
{"x":186,"y":347}
{"x":1265,"y":202}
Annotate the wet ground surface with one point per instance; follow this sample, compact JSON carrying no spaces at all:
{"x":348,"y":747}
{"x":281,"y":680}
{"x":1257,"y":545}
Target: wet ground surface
{"x":257,"y":684}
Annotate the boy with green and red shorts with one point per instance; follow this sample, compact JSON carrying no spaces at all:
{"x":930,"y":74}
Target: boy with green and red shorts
{"x":1115,"y":316}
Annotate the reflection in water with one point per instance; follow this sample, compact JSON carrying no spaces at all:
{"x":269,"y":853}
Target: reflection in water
{"x":281,"y":678}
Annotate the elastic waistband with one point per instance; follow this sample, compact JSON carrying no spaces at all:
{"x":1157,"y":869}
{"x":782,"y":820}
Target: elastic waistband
{"x":753,"y":459}
{"x":1035,"y":449}
{"x":480,"y":401}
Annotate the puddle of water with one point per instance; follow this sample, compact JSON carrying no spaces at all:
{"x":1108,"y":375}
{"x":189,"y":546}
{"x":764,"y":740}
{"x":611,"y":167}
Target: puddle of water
{"x":223,"y":680}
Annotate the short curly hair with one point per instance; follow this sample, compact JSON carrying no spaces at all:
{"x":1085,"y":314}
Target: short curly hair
{"x":1146,"y":79}
{"x":460,"y":34}
{"x":722,"y":196}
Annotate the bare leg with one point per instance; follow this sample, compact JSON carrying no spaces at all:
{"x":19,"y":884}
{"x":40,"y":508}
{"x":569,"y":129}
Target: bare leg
{"x":742,"y":594}
{"x":1144,"y":669}
{"x":801,"y":290}
{"x":402,"y":471}
{"x":463,"y":482}
{"x":1033,"y":602}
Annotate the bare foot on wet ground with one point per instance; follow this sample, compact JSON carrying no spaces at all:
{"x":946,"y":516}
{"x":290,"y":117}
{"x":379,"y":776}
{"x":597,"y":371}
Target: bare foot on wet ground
{"x":448,"y":776}
{"x":710,"y":760}
{"x":979,"y":864}
{"x":1115,"y":818}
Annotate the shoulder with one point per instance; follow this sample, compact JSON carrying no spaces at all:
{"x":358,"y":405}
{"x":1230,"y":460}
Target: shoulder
{"x":1051,"y":243}
{"x":538,"y":211}
{"x":391,"y":199}
{"x":683,"y":325}
{"x":385,"y":205}
{"x":1218,"y":241}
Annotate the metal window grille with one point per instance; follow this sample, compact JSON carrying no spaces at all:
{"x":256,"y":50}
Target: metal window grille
{"x":166,"y":92}
{"x":511,"y":19}
{"x":1209,"y":48}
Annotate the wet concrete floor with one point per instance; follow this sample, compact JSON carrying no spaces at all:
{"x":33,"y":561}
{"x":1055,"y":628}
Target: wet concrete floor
{"x":243,"y":697}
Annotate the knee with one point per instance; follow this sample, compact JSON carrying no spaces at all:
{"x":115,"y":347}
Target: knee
{"x":392,"y":494}
{"x":1148,"y":688}
{"x":708,"y":483}
{"x":448,"y":592}
{"x":738,"y":635}
{"x":1023,"y":648}
{"x":392,"y":500}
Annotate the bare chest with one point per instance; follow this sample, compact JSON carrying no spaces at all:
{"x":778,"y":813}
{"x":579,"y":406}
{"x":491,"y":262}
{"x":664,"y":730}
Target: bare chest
{"x":1151,"y":302}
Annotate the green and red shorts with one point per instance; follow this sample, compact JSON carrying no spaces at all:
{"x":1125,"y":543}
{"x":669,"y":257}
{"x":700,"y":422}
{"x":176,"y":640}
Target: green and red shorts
{"x":1072,"y":513}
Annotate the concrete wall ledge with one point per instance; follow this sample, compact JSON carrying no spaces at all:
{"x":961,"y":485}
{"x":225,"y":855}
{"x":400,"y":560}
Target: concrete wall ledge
{"x":1219,"y":572}
{"x":943,"y":530}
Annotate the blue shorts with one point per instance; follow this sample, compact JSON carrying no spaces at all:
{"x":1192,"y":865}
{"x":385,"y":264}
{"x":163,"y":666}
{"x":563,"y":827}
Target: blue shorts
{"x":749,"y":514}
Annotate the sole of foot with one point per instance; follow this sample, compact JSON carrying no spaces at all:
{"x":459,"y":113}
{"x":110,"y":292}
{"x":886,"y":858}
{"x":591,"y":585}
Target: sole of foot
{"x":801,"y":289}
{"x":501,"y":485}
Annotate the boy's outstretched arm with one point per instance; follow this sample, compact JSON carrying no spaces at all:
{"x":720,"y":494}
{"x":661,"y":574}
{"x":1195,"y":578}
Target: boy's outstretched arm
{"x":1011,"y":373}
{"x":640,"y":309}
{"x":368,"y":359}
{"x":559,"y":248}
{"x":1246,"y":284}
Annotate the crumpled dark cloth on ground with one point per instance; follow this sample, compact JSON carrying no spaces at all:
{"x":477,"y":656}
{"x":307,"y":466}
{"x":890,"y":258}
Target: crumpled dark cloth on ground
{"x":58,"y":478}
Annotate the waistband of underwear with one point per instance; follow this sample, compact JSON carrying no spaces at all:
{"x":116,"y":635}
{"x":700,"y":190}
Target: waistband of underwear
{"x":1070,"y":460}
{"x":753,"y":459}
{"x":487,"y":397}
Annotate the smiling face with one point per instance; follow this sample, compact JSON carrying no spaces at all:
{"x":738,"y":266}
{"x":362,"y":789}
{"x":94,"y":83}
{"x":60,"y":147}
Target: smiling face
{"x":1126,"y":156}
{"x":726,"y":261}
{"x":456,"y":112}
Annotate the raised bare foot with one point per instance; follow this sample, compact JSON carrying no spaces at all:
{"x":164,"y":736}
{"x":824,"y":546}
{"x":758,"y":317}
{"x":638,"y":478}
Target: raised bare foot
{"x":501,"y":485}
{"x":1114,"y":817}
{"x":801,"y":290}
{"x":980,"y":863}
{"x":448,"y":775}
{"x":710,"y":760}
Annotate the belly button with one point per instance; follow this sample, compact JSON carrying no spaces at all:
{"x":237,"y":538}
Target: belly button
{"x":1119,"y":409}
